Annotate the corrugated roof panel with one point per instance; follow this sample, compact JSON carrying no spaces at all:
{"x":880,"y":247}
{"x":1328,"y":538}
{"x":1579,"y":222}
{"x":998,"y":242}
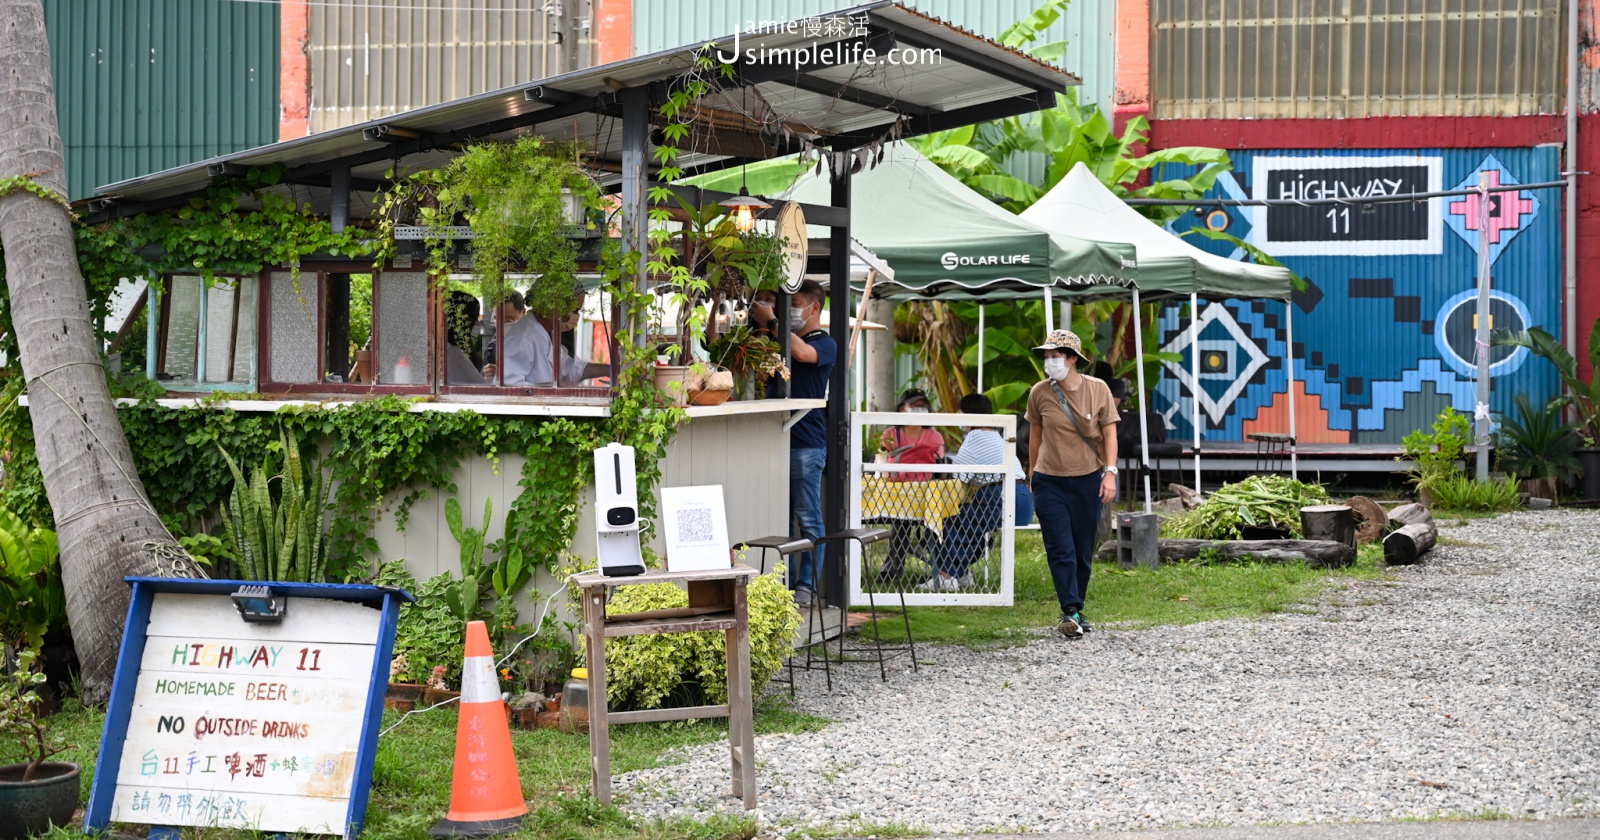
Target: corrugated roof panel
{"x":143,"y":85}
{"x":1088,"y":27}
{"x":1383,"y":332}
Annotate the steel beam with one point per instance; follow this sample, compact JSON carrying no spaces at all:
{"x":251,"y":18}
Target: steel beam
{"x":836,"y":476}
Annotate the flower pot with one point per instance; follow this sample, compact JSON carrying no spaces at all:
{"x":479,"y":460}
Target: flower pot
{"x":51,"y":798}
{"x":434,"y":696}
{"x":671,"y":379}
{"x":527,"y":718}
{"x":708,"y":397}
{"x":406,"y":691}
{"x":1590,"y":483}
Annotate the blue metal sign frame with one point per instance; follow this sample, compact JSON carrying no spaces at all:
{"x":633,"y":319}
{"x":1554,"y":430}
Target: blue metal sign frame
{"x":119,"y":709}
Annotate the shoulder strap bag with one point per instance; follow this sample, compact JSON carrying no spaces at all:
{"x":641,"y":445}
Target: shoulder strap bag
{"x":1062,"y":398}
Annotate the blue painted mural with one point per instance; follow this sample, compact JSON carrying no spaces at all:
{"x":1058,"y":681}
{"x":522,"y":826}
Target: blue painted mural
{"x":1383,"y":332}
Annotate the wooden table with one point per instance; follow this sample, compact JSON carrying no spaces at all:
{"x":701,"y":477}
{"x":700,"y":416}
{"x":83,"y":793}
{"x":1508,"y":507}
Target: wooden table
{"x":718,"y":600}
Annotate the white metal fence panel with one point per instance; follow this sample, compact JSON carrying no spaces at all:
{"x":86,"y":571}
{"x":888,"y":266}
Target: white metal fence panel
{"x":939,"y":514}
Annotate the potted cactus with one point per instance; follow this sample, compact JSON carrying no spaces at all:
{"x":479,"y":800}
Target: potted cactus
{"x":35,"y":794}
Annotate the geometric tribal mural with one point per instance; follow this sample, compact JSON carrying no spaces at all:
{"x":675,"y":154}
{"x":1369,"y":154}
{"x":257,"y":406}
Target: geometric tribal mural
{"x":1385,"y":327}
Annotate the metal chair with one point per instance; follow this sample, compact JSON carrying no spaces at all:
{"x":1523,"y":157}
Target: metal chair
{"x":779,"y":548}
{"x":865,"y":537}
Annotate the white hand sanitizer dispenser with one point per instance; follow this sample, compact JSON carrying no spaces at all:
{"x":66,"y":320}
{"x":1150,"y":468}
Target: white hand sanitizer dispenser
{"x":616,"y":511}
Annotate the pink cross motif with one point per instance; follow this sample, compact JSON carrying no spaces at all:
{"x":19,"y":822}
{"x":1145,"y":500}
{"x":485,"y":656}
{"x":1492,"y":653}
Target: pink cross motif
{"x":1506,"y":209}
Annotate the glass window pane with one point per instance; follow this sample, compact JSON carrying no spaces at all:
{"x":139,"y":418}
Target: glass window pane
{"x":244,"y":339}
{"x":293,"y":318}
{"x":401,"y":309}
{"x":183,"y":328}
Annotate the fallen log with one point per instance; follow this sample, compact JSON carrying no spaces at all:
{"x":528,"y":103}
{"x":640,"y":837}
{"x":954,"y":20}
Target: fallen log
{"x":1321,"y":554}
{"x":1407,"y":545}
{"x":1411,"y":514}
{"x":1372,"y":522}
{"x":1335,"y":523}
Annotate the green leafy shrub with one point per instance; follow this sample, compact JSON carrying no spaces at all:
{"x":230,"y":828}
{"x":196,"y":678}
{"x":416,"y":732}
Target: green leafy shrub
{"x":642,"y":672}
{"x":1538,"y":444}
{"x":1263,"y":501}
{"x":431,"y":633}
{"x":30,"y":584}
{"x":1463,"y":492}
{"x":1437,"y":453}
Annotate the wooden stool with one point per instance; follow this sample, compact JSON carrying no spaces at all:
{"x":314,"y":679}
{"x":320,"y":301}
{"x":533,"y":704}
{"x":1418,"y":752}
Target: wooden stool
{"x":718,"y":600}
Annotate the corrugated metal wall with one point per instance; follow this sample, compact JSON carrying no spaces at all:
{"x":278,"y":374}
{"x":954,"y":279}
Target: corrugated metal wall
{"x":1261,"y":59}
{"x":1087,"y":27}
{"x":1383,"y":332}
{"x":373,"y":59}
{"x":145,"y":85}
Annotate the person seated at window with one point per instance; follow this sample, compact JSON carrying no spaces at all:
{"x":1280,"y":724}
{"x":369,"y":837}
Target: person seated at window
{"x":461,"y":313}
{"x":508,"y":312}
{"x":530,"y":351}
{"x":909,"y":445}
{"x":966,"y":535}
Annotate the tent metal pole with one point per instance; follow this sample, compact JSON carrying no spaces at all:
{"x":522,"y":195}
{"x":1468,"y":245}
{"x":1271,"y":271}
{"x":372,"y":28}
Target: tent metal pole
{"x":980,"y":346}
{"x":1194,"y":381}
{"x":1144,"y":405}
{"x":1064,"y":314}
{"x":1049,"y":318}
{"x":1294,"y":433}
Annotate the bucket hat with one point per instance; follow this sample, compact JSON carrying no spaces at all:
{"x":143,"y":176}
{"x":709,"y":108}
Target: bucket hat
{"x":1064,"y":340}
{"x":911,"y":395}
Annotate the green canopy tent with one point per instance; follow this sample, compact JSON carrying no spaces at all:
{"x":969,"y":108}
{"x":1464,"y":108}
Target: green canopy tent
{"x":1083,"y":205}
{"x":947,"y":242}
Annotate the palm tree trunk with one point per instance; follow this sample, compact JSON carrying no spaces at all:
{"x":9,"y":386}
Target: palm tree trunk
{"x":103,"y":518}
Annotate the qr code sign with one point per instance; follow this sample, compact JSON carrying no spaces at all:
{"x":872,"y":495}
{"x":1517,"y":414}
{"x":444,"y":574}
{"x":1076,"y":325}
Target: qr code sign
{"x":694,"y":526}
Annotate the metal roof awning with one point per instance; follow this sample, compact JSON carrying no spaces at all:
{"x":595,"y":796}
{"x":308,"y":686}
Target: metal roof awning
{"x":794,"y":87}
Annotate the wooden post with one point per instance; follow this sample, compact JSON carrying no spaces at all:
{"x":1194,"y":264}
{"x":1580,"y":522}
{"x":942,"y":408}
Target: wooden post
{"x":1334,"y":523}
{"x":1407,"y":545}
{"x":1412,"y":514}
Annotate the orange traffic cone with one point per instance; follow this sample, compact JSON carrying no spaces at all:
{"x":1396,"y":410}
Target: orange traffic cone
{"x":486,"y":792}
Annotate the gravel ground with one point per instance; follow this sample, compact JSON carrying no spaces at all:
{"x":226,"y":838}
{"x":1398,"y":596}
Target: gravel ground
{"x":1465,"y":686}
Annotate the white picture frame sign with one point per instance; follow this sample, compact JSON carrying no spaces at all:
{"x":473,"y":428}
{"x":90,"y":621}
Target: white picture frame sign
{"x":695,"y":528}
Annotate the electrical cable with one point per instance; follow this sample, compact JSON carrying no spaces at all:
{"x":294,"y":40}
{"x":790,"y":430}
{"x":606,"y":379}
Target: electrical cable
{"x":538,"y":625}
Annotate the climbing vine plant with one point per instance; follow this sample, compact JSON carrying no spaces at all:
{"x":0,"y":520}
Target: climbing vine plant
{"x":383,"y":455}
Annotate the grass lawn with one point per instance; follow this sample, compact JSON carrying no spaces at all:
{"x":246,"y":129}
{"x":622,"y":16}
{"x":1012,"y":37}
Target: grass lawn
{"x":411,"y":779}
{"x":1174,"y":594}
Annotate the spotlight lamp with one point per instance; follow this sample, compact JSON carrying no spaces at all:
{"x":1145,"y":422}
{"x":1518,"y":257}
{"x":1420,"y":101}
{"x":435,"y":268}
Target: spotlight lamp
{"x":257,"y":605}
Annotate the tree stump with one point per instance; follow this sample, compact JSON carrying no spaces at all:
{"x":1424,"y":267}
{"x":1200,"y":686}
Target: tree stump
{"x":1371,"y":520}
{"x":1319,"y":553}
{"x":1407,"y":545}
{"x":1334,"y":523}
{"x":1412,"y":514}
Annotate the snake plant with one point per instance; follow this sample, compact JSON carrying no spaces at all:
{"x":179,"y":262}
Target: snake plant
{"x":279,"y":536}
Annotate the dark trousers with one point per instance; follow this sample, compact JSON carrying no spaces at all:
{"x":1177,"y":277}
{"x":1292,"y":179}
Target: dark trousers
{"x":966,"y":535}
{"x":1068,"y":510}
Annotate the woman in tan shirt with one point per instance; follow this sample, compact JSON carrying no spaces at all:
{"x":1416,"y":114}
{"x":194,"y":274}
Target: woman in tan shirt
{"x":1072,"y":456}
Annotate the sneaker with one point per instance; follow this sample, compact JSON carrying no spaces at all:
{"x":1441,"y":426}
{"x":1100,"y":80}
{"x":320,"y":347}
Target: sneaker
{"x":1083,"y":623}
{"x":966,"y":582}
{"x":940,"y":582}
{"x":803,"y":596}
{"x":1069,"y":628}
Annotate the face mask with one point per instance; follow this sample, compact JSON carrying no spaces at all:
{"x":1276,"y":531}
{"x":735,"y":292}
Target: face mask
{"x":916,"y":411}
{"x":1055,"y":367}
{"x":797,"y":317}
{"x":570,"y":321}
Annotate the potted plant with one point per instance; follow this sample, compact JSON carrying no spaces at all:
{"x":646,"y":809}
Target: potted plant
{"x":752,"y":358}
{"x":1540,"y":446}
{"x":1583,"y":397}
{"x":36,"y":793}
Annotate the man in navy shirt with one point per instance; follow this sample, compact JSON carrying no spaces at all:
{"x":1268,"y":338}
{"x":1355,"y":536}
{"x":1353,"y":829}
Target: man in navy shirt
{"x":813,"y":352}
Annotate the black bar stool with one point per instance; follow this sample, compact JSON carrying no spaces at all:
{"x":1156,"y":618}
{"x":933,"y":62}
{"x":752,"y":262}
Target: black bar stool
{"x":779,"y":548}
{"x":865,"y":537}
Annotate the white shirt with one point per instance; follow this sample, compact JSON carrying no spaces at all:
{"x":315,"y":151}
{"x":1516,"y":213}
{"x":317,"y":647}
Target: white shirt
{"x":458,"y":368}
{"x":984,"y":447}
{"x":528,"y":351}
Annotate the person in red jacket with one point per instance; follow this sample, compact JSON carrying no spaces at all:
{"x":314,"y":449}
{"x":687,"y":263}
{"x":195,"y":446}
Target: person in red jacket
{"x":909,"y":445}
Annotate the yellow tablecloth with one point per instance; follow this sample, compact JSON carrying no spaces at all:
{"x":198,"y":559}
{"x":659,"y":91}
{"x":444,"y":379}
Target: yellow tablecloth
{"x":931,"y":502}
